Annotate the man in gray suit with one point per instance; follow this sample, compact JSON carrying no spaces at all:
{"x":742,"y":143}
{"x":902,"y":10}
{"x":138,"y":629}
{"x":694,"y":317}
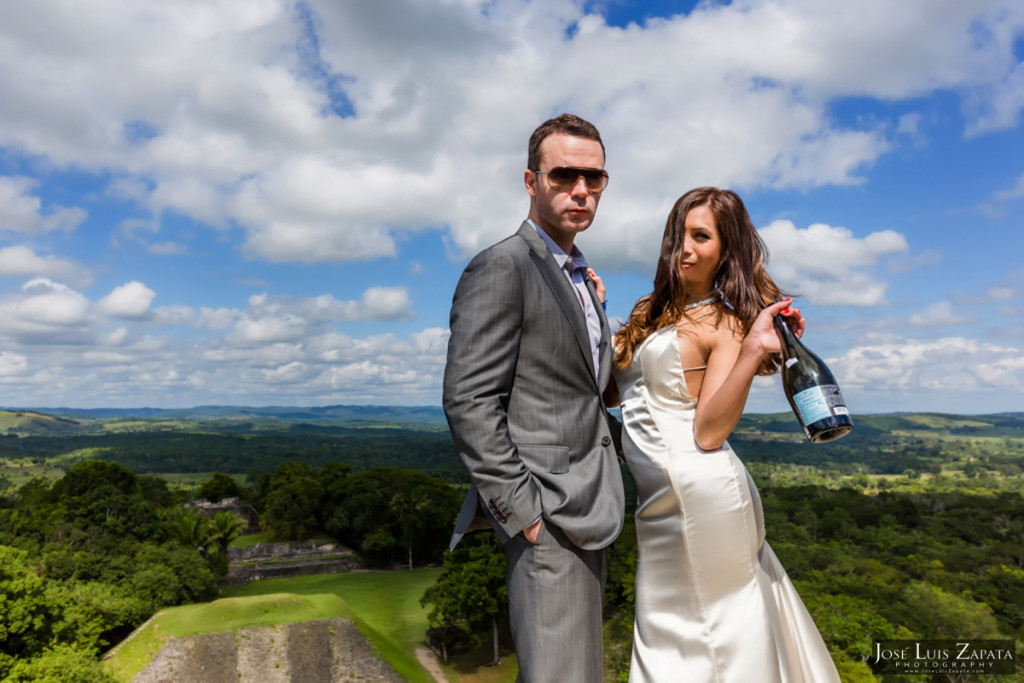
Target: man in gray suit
{"x":528,"y":359}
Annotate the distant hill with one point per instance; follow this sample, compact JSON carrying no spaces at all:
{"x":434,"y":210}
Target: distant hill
{"x":336,"y":414}
{"x":997,"y":424}
{"x":33,"y":423}
{"x":329,"y":419}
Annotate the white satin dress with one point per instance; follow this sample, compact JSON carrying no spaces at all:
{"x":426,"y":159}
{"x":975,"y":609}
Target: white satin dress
{"x":713,"y":603}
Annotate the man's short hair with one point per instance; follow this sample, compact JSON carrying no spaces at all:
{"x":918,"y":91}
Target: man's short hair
{"x":565,"y":124}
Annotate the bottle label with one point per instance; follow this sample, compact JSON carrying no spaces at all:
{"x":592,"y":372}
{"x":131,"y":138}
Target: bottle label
{"x":818,"y":403}
{"x":790,"y":362}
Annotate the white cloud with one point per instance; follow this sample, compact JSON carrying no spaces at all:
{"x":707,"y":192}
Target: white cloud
{"x":52,"y":303}
{"x":414,"y":115}
{"x":1000,"y":294}
{"x":1012,"y":193}
{"x":996,"y":294}
{"x":998,"y":106}
{"x":279,"y":348}
{"x":117,"y":337}
{"x":172,"y":316}
{"x":385,"y":303}
{"x":22,"y":212}
{"x":828,"y":264}
{"x":306,"y":242}
{"x":323,"y":147}
{"x":273,"y":319}
{"x":21,"y":262}
{"x":168,"y":248}
{"x":264,"y":330}
{"x":909,"y":124}
{"x":131,"y":300}
{"x":47,"y":312}
{"x":322,"y":368}
{"x":13,"y":364}
{"x":907,"y":263}
{"x":432,"y":340}
{"x":940,"y":314}
{"x":996,"y":207}
{"x":951,"y":364}
{"x":217,"y":319}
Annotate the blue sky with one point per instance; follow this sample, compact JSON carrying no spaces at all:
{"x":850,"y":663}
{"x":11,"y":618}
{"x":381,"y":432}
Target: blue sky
{"x":261,"y":202}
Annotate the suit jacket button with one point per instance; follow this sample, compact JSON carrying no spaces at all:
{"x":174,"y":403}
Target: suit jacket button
{"x":606,"y":441}
{"x":500,"y":513}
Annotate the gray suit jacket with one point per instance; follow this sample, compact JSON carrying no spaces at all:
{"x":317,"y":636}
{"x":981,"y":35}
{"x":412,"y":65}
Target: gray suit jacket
{"x":522,"y":400}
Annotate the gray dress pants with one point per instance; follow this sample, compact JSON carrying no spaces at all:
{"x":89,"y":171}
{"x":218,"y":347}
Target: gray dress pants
{"x":556,"y":596}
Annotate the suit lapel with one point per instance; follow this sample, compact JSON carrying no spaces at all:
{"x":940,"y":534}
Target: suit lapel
{"x":561,"y":289}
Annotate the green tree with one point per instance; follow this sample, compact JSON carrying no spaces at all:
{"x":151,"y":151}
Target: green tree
{"x":293,"y":503}
{"x":171,"y":575}
{"x":938,"y":613}
{"x":94,"y":614}
{"x":104,"y":495}
{"x":218,"y":487}
{"x":409,"y":505}
{"x":188,"y":526}
{"x":621,"y":580}
{"x":469,"y":597}
{"x":224,"y":528}
{"x":390,"y":513}
{"x":332,"y":474}
{"x":620,"y":602}
{"x":26,"y":614}
{"x":154,"y":490}
{"x":60,"y":664}
{"x":850,"y":625}
{"x":83,"y":477}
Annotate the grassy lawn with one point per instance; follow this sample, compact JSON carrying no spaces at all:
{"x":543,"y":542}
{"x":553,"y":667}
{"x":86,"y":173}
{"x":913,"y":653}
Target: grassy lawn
{"x":249,"y":540}
{"x":474,"y":667}
{"x":385,"y":606}
{"x":221,"y":615}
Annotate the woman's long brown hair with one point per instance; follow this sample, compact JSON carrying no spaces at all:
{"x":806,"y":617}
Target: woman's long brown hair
{"x":743,"y":285}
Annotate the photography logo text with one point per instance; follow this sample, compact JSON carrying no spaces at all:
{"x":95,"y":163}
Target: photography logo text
{"x":950,"y":656}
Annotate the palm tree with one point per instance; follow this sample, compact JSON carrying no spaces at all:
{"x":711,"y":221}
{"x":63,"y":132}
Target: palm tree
{"x":225,"y":527}
{"x":188,"y":527}
{"x":408,"y":504}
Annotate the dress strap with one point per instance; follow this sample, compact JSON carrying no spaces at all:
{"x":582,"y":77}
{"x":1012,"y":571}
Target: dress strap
{"x":699,"y":367}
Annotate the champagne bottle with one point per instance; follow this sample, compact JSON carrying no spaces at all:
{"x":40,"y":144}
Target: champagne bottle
{"x":811,"y":389}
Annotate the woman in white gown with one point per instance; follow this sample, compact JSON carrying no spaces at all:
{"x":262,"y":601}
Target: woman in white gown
{"x":712,"y":601}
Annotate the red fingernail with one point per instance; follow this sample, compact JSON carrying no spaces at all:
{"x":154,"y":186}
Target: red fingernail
{"x":786,"y":312}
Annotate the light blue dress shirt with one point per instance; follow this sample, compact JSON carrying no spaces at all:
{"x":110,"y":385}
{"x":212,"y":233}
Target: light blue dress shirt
{"x":574,"y":267}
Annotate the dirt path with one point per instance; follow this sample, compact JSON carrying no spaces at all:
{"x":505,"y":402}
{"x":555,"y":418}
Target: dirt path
{"x":428,"y":659}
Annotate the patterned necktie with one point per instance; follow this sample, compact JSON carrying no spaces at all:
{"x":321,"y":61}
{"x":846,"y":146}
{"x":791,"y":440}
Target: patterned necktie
{"x":568,"y":269}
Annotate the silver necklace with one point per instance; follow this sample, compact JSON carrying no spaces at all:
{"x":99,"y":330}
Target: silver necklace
{"x":710,"y":300}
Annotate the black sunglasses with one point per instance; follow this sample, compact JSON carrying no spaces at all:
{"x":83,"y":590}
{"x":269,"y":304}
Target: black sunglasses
{"x":564,"y":178}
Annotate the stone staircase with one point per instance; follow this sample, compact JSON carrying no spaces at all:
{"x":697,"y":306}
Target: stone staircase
{"x":325,"y":651}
